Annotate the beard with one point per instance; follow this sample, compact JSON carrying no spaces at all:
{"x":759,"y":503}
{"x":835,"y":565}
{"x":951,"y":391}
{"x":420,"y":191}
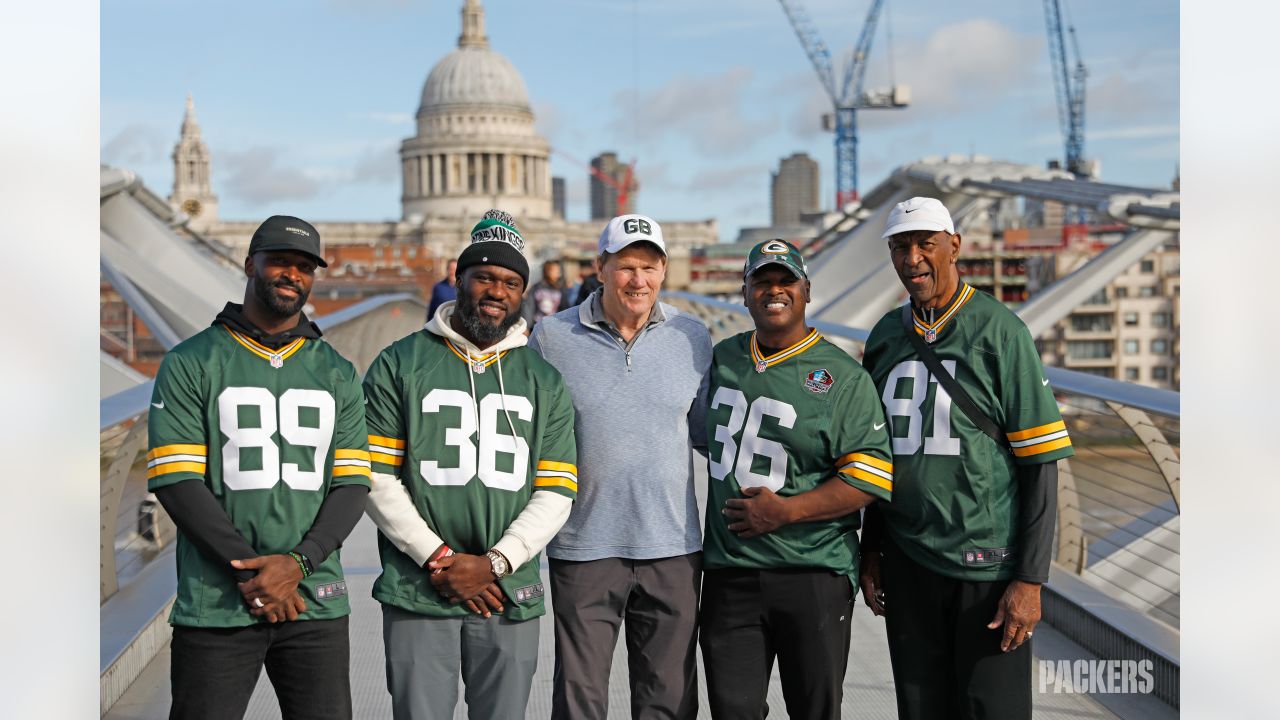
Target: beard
{"x":276,"y":304}
{"x":483,"y":331}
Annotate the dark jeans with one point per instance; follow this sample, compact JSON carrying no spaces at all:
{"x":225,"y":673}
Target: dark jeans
{"x":946,"y":664}
{"x":213,"y":670}
{"x":800,"y":616}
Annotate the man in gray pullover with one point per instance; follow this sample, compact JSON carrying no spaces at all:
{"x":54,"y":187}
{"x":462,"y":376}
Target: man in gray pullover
{"x":636,"y":370}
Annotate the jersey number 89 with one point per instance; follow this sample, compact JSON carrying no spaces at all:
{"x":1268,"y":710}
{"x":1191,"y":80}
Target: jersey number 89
{"x":289,"y":424}
{"x":739,"y":459}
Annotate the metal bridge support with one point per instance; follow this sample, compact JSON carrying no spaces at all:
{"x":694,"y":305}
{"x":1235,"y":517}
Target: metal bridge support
{"x":1157,"y":446}
{"x":113,"y":481}
{"x":1073,"y":548}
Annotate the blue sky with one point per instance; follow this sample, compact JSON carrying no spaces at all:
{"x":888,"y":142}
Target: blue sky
{"x":304,"y":104}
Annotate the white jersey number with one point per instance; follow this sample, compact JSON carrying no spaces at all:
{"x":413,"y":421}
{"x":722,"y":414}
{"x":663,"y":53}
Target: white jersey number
{"x":288,"y":411}
{"x":484,"y":460}
{"x":939,"y":441}
{"x":740,"y":456}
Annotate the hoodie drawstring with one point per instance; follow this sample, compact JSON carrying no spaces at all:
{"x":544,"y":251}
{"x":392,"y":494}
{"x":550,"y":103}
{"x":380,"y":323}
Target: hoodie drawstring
{"x":503,"y":389}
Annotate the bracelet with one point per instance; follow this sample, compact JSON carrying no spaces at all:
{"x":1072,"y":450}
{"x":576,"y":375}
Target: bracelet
{"x":303,"y":564}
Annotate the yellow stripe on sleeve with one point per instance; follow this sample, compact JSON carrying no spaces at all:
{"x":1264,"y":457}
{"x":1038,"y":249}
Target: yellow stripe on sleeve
{"x":386,"y":459}
{"x":871,"y":460}
{"x":386,"y":442}
{"x":174,"y":467}
{"x":177,"y":450}
{"x":344,"y":470}
{"x":561,"y":466}
{"x":341,"y":454}
{"x":1037,"y":431}
{"x":555,"y":482}
{"x":1042,"y":447}
{"x":868,"y":477}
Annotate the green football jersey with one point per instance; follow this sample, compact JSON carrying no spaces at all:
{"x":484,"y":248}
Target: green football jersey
{"x":955,"y":501}
{"x":790,"y":422}
{"x":469,"y":455}
{"x":270,"y":432}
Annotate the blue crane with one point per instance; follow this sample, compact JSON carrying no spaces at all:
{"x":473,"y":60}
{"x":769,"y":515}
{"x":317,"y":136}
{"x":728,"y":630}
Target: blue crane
{"x":1069,"y":87}
{"x":849,"y":97}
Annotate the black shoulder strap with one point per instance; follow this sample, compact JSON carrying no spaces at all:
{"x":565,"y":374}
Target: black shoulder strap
{"x":949,"y":383}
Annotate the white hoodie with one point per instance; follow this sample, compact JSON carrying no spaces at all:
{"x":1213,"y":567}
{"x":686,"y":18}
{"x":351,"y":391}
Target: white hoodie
{"x":393,"y":511}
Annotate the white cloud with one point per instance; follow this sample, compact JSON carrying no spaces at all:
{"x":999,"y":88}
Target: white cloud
{"x":707,"y":110}
{"x":257,"y":177}
{"x":134,"y":146}
{"x":388,"y":118}
{"x":378,"y":164}
{"x":964,"y":66}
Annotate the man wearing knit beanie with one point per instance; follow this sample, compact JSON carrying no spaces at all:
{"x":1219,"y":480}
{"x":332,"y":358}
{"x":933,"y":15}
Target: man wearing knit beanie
{"x":474,"y":471}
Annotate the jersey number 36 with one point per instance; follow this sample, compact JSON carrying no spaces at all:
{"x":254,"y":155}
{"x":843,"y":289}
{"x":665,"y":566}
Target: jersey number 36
{"x":739,"y":457}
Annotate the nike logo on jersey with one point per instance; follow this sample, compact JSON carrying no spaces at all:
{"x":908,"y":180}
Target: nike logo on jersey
{"x":877,"y":426}
{"x":1044,"y":381}
{"x":158,"y":406}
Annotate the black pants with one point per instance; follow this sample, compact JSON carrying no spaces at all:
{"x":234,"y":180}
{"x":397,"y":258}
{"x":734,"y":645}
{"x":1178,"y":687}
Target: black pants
{"x":213,"y":670}
{"x":799,"y":616}
{"x":946,"y":664}
{"x":658,"y":599}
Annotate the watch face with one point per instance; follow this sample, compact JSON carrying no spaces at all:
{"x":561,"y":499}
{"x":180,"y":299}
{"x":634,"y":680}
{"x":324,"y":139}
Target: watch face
{"x":191,"y":207}
{"x":499,"y":564}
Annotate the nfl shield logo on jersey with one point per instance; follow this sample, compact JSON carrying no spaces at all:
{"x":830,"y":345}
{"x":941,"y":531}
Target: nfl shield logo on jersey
{"x":819,"y":381}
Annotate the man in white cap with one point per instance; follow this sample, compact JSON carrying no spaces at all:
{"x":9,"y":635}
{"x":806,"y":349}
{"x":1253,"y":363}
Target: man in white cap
{"x":636,"y":370}
{"x":956,"y":561}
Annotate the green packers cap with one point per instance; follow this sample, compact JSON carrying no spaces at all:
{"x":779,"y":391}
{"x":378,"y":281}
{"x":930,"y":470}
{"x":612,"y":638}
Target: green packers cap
{"x":496,"y":240}
{"x":778,"y":252}
{"x":285,"y":232}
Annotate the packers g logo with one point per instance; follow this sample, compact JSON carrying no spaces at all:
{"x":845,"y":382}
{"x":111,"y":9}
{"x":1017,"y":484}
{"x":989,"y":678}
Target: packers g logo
{"x":775,"y":247}
{"x":636,"y":225}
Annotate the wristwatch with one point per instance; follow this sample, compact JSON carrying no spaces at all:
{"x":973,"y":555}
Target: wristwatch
{"x":501,"y":568}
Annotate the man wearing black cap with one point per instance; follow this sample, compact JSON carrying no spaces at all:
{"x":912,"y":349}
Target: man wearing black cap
{"x":474,"y":470}
{"x":258,"y":451}
{"x":797,"y":444}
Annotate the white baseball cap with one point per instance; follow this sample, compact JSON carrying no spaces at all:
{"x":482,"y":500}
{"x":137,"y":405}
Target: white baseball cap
{"x":918,"y":213}
{"x":626,"y":229}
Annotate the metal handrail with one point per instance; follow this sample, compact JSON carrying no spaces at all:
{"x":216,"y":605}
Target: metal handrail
{"x":1154,"y":400}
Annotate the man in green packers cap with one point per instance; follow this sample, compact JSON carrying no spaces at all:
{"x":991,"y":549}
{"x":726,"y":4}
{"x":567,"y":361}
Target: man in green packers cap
{"x":797,"y":445}
{"x":474,"y":470}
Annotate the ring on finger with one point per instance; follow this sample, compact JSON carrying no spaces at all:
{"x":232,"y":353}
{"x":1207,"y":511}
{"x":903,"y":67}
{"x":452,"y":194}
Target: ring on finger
{"x":257,"y":602}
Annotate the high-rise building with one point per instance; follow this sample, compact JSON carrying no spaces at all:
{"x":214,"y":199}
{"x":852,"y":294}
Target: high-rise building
{"x":191,"y":192}
{"x":557,"y":197}
{"x":604,"y":195}
{"x":794,"y":190}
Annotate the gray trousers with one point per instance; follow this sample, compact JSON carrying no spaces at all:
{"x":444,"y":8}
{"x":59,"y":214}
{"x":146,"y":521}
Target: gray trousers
{"x":496,"y":656}
{"x":659,"y":601}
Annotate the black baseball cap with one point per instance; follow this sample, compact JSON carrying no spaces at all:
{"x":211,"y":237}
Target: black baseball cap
{"x":286,"y":232}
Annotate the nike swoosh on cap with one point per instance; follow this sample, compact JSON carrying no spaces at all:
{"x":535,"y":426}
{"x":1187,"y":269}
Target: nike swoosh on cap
{"x":158,"y":406}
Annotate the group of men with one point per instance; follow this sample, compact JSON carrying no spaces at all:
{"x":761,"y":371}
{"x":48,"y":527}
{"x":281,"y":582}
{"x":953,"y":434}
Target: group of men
{"x":476,"y":444}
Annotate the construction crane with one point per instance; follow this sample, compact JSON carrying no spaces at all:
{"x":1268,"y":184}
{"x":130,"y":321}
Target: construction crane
{"x":1070,"y":90}
{"x":849,"y":97}
{"x":623,"y":189}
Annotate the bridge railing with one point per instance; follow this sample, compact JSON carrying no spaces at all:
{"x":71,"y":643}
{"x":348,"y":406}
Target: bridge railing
{"x":136,"y":570}
{"x":1116,"y":584}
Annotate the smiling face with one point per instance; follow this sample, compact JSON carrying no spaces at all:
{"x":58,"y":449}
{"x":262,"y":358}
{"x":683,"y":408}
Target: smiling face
{"x":925,"y":261}
{"x":488,"y":304}
{"x":632,"y":278}
{"x":776,"y":299}
{"x":279,"y":281}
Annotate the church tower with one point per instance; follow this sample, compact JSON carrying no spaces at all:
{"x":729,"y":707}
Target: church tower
{"x":191,"y":191}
